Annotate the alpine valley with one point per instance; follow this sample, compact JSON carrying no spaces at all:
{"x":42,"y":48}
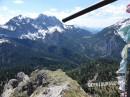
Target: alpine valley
{"x":46,"y":40}
{"x":27,"y":44}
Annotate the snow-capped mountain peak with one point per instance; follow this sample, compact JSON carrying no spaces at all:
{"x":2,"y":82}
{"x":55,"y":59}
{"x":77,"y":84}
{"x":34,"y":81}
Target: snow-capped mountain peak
{"x":19,"y":20}
{"x":20,"y":17}
{"x":27,"y":28}
{"x":49,"y":21}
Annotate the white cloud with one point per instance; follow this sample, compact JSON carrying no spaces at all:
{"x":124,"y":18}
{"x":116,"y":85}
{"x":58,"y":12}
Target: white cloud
{"x":3,"y":19}
{"x":18,"y":1}
{"x":102,"y":17}
{"x":61,"y":14}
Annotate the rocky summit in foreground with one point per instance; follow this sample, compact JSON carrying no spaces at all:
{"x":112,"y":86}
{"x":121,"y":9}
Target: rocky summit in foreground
{"x":43,"y":83}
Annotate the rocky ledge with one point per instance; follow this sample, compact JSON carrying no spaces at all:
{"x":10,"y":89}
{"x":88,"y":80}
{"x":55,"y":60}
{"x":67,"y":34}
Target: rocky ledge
{"x":43,"y":83}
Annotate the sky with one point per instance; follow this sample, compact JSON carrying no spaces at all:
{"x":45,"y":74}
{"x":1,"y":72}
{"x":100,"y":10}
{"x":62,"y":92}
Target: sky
{"x":99,"y":18}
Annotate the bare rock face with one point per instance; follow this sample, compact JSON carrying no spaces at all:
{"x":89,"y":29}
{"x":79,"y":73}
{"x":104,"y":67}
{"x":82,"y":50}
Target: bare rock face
{"x":9,"y":87}
{"x":13,"y":83}
{"x":43,"y":83}
{"x":22,"y":77}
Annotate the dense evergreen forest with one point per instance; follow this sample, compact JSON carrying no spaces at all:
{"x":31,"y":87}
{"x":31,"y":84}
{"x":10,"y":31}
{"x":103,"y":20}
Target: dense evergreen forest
{"x":104,"y":69}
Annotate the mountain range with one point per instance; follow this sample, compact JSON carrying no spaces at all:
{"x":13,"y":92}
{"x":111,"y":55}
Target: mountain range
{"x":46,"y":41}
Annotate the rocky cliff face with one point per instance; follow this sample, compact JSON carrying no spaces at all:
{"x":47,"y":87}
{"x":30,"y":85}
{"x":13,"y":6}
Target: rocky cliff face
{"x":43,"y":83}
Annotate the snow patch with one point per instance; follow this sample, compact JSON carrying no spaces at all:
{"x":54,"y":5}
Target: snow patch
{"x":35,"y":26}
{"x":4,"y":26}
{"x":68,"y":26}
{"x":28,"y":20}
{"x":33,"y":36}
{"x":41,"y":33}
{"x":20,"y":17}
{"x":55,"y":29}
{"x":4,"y":41}
{"x":11,"y":28}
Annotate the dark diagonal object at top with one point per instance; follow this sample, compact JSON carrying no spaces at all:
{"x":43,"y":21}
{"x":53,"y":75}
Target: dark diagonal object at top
{"x":89,"y":9}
